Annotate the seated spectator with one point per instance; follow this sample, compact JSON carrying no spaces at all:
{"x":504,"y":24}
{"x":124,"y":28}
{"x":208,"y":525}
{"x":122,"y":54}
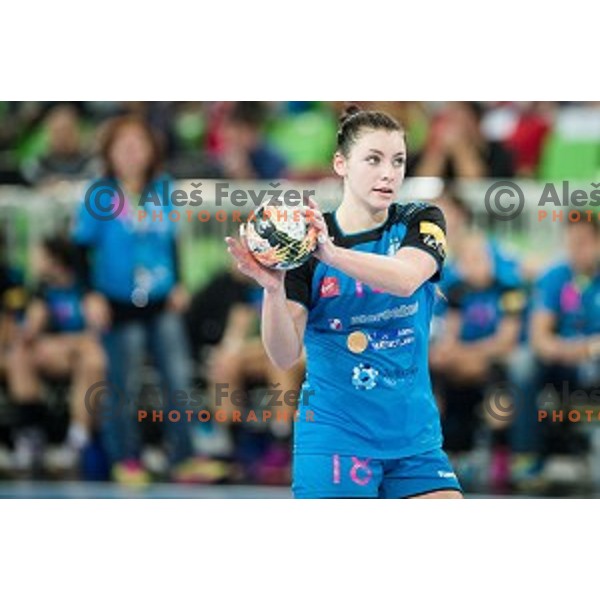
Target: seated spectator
{"x":52,"y":342}
{"x":244,"y":154}
{"x":226,"y":315}
{"x":65,"y":157}
{"x":457,"y":148}
{"x":481,"y":330}
{"x":565,"y":327}
{"x":13,"y":299}
{"x":459,"y":222}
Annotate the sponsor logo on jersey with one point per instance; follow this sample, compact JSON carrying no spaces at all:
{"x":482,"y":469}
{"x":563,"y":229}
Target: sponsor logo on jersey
{"x":391,"y":338}
{"x":432,"y":235}
{"x":395,"y":245}
{"x":335,"y":324}
{"x":330,"y":287}
{"x":404,"y":310}
{"x":360,"y":287}
{"x":404,"y":377}
{"x":357,"y":342}
{"x":364,"y":377}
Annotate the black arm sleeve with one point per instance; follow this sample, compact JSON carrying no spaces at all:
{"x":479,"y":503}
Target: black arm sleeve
{"x":426,"y":230}
{"x":298,"y":282}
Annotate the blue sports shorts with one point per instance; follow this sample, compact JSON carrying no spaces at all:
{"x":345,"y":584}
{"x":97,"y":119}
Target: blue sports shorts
{"x":343,"y":476}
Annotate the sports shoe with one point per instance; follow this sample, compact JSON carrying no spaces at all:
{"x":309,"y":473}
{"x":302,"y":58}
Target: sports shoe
{"x":130,"y":473}
{"x":200,"y":470}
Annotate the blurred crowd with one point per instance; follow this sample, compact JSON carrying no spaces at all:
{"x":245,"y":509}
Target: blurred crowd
{"x":108,"y":303}
{"x":41,"y":141}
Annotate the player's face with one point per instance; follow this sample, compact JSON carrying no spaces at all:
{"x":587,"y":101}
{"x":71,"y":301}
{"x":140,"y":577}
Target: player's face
{"x":131,"y":152}
{"x":375,"y":167}
{"x":582,"y":248}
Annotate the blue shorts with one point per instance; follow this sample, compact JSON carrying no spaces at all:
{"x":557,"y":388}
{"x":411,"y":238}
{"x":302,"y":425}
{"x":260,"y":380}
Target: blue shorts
{"x":342,"y":476}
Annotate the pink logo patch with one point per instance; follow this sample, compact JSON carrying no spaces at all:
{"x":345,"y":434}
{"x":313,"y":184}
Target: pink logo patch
{"x":570,"y":298}
{"x":330,"y":287}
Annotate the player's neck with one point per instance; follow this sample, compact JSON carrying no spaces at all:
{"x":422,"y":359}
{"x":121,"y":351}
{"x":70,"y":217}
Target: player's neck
{"x":353,"y":216}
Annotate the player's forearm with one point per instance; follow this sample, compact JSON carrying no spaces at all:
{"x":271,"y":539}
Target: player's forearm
{"x":391,"y":274}
{"x":279,"y":334}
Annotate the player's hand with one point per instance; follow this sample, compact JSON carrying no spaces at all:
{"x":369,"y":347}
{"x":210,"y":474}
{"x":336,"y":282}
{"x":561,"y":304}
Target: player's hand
{"x":326,"y":250}
{"x":270,"y":279}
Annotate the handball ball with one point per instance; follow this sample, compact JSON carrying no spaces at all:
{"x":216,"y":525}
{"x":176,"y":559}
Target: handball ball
{"x":280,"y":237}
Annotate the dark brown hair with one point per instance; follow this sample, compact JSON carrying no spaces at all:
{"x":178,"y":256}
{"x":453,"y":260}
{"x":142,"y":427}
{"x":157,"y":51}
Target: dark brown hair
{"x":110,"y":135}
{"x":354,"y":119}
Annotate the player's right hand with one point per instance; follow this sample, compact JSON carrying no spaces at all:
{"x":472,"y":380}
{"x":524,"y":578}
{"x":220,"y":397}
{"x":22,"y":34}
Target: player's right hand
{"x":270,"y":279}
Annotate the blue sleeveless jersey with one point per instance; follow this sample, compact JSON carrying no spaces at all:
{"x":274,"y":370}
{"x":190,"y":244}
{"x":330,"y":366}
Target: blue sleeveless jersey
{"x":367,"y":389}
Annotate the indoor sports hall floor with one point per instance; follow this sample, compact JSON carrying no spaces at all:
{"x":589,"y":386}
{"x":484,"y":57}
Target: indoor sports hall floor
{"x":105,"y":490}
{"x":79,"y":489}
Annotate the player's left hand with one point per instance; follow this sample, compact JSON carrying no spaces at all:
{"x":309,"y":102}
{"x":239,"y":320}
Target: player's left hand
{"x":326,"y":250}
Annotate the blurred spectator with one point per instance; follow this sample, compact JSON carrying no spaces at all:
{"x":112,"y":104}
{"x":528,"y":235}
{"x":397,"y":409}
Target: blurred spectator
{"x":565,"y":327}
{"x":210,"y":308}
{"x":457,"y":148}
{"x":245,"y":154}
{"x":17,"y":122}
{"x":136,"y":300}
{"x":481,"y":330}
{"x":186,"y":135}
{"x":64,"y":157}
{"x":13,"y":299}
{"x":225,"y":315}
{"x":526,"y":141}
{"x":51,"y":344}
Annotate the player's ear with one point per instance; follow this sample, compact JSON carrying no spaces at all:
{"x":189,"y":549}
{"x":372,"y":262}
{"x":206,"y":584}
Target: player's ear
{"x":339,"y":164}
